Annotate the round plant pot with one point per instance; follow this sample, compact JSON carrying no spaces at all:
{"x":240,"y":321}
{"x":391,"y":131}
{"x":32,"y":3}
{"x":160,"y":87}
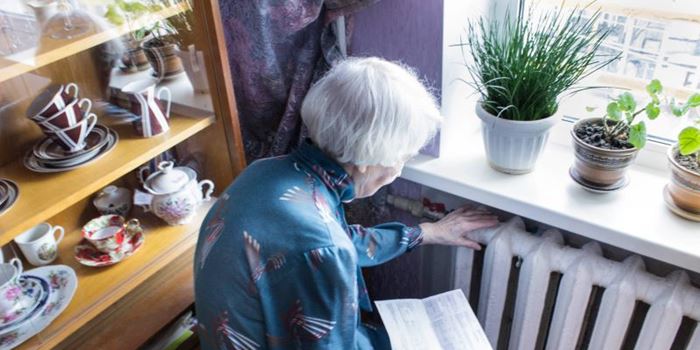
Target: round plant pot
{"x":511,"y":146}
{"x":163,"y":59}
{"x":134,"y":60}
{"x":684,"y":188}
{"x":599,"y":169}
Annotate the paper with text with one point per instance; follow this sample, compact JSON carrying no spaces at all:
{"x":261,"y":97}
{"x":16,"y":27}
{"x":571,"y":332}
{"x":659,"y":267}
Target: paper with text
{"x":444,"y":321}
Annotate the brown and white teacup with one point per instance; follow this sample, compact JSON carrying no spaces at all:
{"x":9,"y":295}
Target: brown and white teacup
{"x":67,"y":117}
{"x":52,"y":100}
{"x":108,"y":232}
{"x":72,"y":139}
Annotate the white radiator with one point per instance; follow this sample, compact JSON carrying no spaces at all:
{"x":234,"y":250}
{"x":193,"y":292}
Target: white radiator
{"x":560,"y":297}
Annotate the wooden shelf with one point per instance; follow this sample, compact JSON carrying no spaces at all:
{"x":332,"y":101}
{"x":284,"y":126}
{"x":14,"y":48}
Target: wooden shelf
{"x":51,"y":50}
{"x":101,"y":287}
{"x":44,"y":195}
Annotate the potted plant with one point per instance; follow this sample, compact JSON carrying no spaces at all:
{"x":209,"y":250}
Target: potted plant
{"x":521,"y":67}
{"x":161,"y":50}
{"x":682,"y":194}
{"x":605,"y":147}
{"x":120,"y":12}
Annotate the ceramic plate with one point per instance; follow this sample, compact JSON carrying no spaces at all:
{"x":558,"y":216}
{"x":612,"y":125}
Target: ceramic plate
{"x":38,"y":288}
{"x":596,"y":188}
{"x":36,"y":165}
{"x":63,"y":282}
{"x":13,"y":194}
{"x":88,"y":255}
{"x":4,"y":192}
{"x":676,"y":209}
{"x":48,"y":150}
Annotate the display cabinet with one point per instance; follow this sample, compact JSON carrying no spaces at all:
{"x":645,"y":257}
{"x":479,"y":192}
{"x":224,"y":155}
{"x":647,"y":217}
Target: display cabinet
{"x":114,"y":51}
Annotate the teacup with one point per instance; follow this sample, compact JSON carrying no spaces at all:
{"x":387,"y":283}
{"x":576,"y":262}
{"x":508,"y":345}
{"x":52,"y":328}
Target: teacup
{"x":67,"y":117}
{"x":72,"y":139}
{"x":12,"y":298}
{"x":39,"y":244}
{"x":108,"y":232}
{"x":52,"y":100}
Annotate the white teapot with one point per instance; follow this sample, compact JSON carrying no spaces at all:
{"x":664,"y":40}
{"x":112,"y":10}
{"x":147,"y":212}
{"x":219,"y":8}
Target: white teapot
{"x":176,"y":193}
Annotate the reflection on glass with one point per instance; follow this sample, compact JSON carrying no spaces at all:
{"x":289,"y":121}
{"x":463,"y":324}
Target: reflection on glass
{"x":655,"y":39}
{"x":68,"y":23}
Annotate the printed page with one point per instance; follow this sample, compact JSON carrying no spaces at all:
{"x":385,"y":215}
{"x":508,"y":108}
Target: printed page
{"x":454,"y":322}
{"x":407,"y":324}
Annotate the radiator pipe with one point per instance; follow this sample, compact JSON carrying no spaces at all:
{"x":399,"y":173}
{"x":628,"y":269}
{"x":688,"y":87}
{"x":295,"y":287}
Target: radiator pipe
{"x":416,"y":208}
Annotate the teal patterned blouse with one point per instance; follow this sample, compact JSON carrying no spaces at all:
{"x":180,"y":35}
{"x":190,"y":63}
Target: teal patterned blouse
{"x":277,"y":266}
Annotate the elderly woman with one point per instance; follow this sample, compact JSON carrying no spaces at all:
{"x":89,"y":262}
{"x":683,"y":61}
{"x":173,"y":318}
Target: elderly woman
{"x":277,"y":266}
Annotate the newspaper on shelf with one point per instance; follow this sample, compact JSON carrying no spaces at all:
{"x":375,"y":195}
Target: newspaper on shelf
{"x":443,"y":321}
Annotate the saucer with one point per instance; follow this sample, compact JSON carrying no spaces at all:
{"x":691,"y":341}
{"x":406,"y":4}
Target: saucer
{"x":596,"y":188}
{"x":35,"y":164}
{"x":39,"y":290}
{"x":48,"y":150}
{"x":12,"y":194}
{"x":63,"y":283}
{"x":88,"y":255}
{"x":676,"y":209}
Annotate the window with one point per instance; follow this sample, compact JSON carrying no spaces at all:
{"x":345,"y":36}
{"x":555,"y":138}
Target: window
{"x":655,"y":39}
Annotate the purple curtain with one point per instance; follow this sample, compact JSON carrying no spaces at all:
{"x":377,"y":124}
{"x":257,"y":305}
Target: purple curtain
{"x":277,"y":48}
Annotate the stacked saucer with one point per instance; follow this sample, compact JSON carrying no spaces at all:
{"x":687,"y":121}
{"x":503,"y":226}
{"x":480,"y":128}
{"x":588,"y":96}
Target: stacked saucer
{"x":50,"y":289}
{"x":47,"y":156}
{"x":8,"y":194}
{"x":37,"y":291}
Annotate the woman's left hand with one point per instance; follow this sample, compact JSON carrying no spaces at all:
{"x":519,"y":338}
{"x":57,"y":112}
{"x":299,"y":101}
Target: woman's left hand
{"x":455,"y":227}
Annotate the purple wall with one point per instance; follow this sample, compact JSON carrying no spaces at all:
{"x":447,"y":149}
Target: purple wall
{"x":409,"y":31}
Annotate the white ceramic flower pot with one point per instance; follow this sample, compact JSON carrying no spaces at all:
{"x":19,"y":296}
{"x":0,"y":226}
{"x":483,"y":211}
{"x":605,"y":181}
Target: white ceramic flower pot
{"x":513,"y":147}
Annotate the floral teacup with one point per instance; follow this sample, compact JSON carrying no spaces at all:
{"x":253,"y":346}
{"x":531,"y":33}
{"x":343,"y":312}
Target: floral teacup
{"x":108,"y":232}
{"x":12,"y":297}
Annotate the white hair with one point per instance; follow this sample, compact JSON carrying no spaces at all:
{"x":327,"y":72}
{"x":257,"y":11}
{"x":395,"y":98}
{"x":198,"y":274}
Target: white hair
{"x":369,"y":111}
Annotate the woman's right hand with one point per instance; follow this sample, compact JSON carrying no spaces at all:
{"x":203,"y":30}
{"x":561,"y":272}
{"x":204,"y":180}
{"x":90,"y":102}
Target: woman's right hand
{"x":455,"y":227}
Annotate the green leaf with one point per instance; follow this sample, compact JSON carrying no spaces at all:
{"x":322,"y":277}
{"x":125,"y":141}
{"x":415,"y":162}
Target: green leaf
{"x":113,"y":15}
{"x":652,"y":110}
{"x":654,"y":87}
{"x":590,"y":109}
{"x":638,"y":135}
{"x":627,"y":102}
{"x":655,"y":99}
{"x":629,"y":117}
{"x":614,"y":111}
{"x":678,"y":110}
{"x":694,"y":101}
{"x":689,"y":140}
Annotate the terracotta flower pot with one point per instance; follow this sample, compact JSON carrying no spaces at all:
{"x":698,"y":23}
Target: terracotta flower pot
{"x":163,"y":58}
{"x":134,"y":59}
{"x":684,"y":188}
{"x":599,"y":169}
{"x":513,"y":146}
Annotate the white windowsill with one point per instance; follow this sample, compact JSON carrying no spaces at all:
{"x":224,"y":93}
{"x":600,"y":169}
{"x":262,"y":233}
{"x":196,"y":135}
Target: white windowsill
{"x":635,"y":218}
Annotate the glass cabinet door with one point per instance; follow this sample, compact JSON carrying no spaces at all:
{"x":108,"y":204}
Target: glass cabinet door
{"x":107,"y":121}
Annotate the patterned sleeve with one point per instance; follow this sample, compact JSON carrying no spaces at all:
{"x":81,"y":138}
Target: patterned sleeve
{"x":311,"y":303}
{"x":379,"y":244}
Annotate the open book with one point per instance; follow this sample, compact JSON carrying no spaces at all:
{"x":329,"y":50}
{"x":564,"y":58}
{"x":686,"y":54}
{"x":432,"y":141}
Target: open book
{"x":444,"y":321}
